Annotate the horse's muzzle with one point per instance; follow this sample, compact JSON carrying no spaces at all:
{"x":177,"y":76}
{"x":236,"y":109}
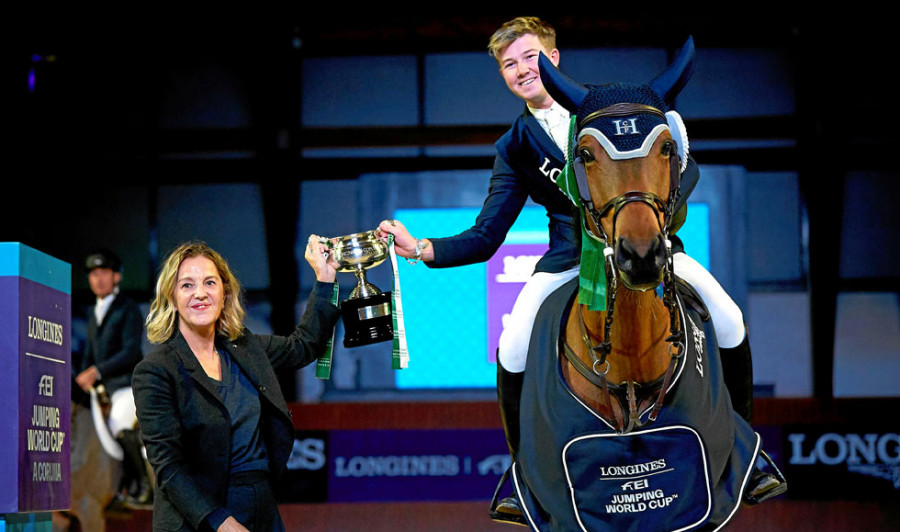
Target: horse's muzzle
{"x":641,"y":271}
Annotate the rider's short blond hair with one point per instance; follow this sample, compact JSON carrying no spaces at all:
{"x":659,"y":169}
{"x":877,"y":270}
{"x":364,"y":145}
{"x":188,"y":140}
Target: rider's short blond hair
{"x":518,"y":27}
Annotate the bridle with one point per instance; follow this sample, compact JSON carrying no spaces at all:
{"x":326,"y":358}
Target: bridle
{"x":596,"y":372}
{"x":667,"y":208}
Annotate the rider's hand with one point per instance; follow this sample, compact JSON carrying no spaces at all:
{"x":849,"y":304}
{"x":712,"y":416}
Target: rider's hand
{"x":404,"y":243}
{"x":86,"y":379}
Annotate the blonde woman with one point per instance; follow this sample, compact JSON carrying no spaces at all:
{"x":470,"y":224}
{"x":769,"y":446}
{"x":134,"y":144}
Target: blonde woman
{"x":212,"y":416}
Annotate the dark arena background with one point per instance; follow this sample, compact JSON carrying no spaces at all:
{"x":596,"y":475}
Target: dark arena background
{"x":251,"y":132}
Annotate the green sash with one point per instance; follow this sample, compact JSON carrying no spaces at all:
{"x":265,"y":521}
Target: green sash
{"x":592,"y":274}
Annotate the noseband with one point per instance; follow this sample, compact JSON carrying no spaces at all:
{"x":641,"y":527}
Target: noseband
{"x":599,"y":352}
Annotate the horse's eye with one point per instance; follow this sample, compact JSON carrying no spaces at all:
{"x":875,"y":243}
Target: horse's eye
{"x":586,"y":155}
{"x":667,"y":149}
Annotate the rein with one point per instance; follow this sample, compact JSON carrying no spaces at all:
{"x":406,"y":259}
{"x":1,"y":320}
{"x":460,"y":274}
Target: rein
{"x":596,"y":377}
{"x":599,"y":352}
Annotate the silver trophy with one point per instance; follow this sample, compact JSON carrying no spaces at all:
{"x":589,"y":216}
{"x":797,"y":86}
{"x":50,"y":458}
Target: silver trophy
{"x":367,"y":313}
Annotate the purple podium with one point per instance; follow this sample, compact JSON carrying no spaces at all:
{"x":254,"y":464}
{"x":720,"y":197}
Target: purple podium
{"x":35,"y":376}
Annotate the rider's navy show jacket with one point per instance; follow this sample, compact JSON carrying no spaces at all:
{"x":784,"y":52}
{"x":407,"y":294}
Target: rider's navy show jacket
{"x":527,"y":165}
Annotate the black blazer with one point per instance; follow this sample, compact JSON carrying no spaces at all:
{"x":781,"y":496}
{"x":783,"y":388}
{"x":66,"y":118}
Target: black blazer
{"x":186,"y":427}
{"x":527,"y":165}
{"x":114,"y":346}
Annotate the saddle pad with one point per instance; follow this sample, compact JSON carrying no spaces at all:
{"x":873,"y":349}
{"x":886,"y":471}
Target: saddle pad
{"x":652,"y":480}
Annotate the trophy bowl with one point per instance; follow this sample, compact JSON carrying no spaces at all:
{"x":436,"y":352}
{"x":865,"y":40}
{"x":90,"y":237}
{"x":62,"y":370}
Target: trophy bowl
{"x":355,"y":254}
{"x":367,"y":312}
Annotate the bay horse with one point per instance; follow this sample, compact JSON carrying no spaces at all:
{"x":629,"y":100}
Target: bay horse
{"x":626,"y":424}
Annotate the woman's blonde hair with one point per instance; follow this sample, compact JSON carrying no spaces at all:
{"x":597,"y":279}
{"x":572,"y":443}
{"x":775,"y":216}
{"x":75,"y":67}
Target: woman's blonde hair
{"x":162,"y":320}
{"x":517,"y":27}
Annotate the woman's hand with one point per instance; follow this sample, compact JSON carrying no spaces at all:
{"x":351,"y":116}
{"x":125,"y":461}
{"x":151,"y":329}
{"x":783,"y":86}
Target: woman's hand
{"x":404,"y":243}
{"x":231,"y":525}
{"x":320,"y":257}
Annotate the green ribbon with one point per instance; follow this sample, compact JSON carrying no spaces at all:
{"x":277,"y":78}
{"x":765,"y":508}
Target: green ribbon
{"x":323,"y":364}
{"x":399,"y":351}
{"x":592,"y":274}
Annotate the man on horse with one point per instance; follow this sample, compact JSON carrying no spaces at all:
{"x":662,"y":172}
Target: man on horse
{"x":529,"y":156}
{"x":112,"y":350}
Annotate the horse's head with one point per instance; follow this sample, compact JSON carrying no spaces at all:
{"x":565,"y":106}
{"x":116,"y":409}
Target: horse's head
{"x":628,"y":160}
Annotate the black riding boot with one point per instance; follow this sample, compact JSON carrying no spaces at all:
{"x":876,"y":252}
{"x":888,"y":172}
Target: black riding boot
{"x":737,"y":369}
{"x":509,"y":391}
{"x":140,"y":488}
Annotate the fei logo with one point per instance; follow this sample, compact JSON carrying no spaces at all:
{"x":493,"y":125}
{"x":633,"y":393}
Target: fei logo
{"x":45,"y":386}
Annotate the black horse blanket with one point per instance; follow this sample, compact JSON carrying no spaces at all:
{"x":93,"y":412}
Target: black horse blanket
{"x":685,"y":471}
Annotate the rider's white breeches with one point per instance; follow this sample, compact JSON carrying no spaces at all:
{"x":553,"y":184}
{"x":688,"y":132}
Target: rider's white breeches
{"x":517,"y":325}
{"x":726,"y":315}
{"x":122,"y":412}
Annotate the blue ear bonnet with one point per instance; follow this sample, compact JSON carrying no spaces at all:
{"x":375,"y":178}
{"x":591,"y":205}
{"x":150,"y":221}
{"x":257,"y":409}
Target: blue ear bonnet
{"x":629,"y":132}
{"x":625,"y":118}
{"x":602,"y":96}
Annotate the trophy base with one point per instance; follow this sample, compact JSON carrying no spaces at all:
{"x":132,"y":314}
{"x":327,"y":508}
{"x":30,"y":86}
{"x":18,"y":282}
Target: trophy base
{"x":367,"y":320}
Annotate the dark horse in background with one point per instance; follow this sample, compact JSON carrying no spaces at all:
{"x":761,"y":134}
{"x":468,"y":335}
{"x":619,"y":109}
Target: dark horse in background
{"x":626,"y":421}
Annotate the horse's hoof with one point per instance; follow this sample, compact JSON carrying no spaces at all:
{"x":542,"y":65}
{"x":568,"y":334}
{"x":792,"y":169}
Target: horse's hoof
{"x":508,"y":511}
{"x":762,"y":487}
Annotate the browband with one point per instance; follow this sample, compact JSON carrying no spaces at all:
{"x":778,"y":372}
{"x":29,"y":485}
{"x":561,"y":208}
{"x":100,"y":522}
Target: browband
{"x":613,"y":151}
{"x":621,"y":109}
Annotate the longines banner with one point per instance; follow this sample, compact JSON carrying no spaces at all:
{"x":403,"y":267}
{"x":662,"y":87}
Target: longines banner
{"x":306,"y":479}
{"x":819,"y":461}
{"x":396,"y":465}
{"x":841,"y":462}
{"x":35,"y":358}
